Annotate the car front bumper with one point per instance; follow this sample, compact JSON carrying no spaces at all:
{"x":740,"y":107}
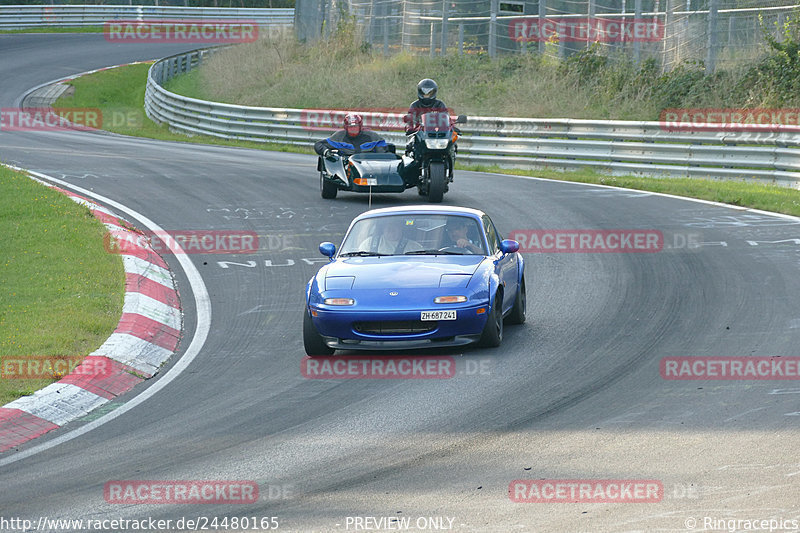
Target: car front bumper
{"x":343,"y":329}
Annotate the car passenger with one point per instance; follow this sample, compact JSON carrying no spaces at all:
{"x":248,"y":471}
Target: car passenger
{"x":390,"y":240}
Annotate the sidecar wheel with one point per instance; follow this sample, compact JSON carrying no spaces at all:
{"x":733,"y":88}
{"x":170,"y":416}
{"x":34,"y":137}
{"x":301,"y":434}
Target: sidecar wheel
{"x":327,"y":189}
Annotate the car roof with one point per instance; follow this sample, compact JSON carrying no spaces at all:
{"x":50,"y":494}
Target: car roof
{"x":421,"y":209}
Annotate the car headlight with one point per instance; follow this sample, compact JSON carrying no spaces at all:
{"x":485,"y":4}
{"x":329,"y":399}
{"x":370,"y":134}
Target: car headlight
{"x":437,"y":144}
{"x":339,"y":301}
{"x":449,"y":299}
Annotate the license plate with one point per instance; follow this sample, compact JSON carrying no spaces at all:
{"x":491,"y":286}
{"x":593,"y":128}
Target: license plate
{"x":438,"y":315}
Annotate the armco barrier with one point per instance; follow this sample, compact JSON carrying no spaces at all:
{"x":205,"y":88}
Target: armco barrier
{"x":21,"y":16}
{"x":618,"y":147}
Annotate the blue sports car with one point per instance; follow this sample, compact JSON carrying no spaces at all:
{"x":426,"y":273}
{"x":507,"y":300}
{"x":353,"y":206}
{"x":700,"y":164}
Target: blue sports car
{"x":415,"y":277}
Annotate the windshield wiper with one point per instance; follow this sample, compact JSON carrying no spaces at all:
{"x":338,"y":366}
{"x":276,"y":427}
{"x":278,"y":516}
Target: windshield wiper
{"x":432,"y":252}
{"x":363,"y":253}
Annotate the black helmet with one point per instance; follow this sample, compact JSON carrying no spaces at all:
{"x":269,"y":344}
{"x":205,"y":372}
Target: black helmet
{"x":426,"y":91}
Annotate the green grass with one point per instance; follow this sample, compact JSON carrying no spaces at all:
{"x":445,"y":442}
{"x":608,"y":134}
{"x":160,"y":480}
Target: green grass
{"x":61,"y":293}
{"x":119,"y":95}
{"x":596,"y":82}
{"x":588,"y":85}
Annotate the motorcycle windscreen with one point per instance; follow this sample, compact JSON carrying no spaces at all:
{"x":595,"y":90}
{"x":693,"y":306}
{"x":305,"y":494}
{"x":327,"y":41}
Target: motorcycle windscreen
{"x":436,"y":121}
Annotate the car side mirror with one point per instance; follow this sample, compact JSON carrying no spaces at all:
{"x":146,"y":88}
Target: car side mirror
{"x":509,"y":247}
{"x":328,"y":249}
{"x":461,"y":119}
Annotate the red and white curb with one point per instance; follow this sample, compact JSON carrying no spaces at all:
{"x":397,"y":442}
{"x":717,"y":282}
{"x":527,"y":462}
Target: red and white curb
{"x":146,"y":336}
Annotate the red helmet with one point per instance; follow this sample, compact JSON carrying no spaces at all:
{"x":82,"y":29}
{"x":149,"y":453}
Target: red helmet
{"x":352,"y":124}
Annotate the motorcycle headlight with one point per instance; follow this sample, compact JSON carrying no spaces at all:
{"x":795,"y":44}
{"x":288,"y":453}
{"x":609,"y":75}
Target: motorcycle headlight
{"x":437,"y":144}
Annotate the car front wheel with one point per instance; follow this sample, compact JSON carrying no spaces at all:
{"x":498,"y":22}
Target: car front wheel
{"x":517,"y":314}
{"x":492,"y":334}
{"x":312,"y":340}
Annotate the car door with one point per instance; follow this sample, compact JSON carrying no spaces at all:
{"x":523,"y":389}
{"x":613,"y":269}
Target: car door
{"x":505,"y":265}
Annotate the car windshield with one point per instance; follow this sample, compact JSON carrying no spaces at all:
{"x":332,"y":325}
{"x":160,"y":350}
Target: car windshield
{"x":420,"y":234}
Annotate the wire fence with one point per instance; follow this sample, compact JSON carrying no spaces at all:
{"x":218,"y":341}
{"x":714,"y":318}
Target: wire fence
{"x":717,"y":33}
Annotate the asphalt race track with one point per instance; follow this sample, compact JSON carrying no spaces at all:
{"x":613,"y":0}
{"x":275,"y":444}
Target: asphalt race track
{"x":573,"y":394}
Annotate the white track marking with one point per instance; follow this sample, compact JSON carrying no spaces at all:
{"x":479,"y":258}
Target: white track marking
{"x":149,"y":356}
{"x":58,"y":403}
{"x":147,"y":269}
{"x":141,"y":304}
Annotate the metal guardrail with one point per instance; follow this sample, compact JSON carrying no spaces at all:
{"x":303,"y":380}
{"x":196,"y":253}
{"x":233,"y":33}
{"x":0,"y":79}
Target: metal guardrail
{"x":618,"y":147}
{"x":21,"y":16}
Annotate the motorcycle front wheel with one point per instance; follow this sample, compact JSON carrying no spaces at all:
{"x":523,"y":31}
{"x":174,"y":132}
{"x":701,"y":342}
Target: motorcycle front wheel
{"x":437,"y":182}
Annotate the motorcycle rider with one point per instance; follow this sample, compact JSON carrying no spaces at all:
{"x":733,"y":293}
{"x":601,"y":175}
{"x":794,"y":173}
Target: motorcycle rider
{"x":426,"y":101}
{"x":353,"y":139}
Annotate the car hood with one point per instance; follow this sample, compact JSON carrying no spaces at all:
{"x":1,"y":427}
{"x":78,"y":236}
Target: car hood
{"x":394,"y":272}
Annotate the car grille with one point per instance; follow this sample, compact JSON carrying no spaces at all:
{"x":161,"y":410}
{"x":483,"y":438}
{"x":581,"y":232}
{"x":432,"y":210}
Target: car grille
{"x":395,"y":327}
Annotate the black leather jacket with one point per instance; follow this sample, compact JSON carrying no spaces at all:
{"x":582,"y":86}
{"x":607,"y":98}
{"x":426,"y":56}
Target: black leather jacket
{"x":417,"y":109}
